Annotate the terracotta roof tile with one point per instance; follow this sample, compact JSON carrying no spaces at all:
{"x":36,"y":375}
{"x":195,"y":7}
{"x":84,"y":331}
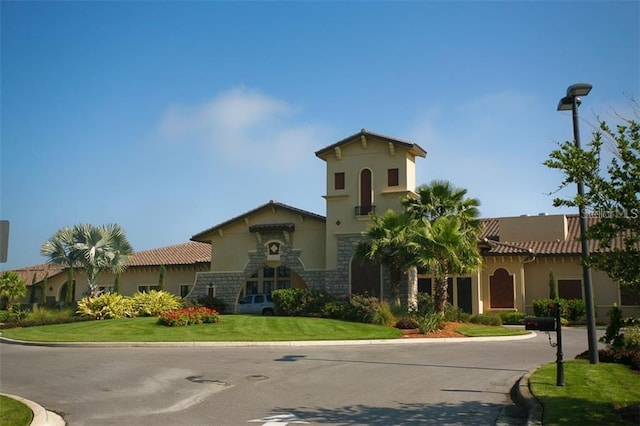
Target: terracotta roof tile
{"x":189,"y":253}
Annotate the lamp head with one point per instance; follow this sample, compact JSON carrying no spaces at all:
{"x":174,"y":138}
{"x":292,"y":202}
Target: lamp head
{"x":566,"y":103}
{"x":579,"y":89}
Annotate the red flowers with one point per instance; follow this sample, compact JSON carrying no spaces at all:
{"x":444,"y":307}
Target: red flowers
{"x":189,"y":316}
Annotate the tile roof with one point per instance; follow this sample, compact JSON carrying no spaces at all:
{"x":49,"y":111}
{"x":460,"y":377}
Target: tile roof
{"x":490,"y":237}
{"x":414,"y":148}
{"x":201,"y":235}
{"x":189,"y":253}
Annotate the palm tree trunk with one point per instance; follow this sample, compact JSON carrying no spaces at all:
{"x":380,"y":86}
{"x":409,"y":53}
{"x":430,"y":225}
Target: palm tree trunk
{"x":441,"y":293}
{"x":396,"y":276}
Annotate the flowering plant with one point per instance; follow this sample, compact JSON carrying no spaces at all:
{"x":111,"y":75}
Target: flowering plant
{"x":187,"y":316}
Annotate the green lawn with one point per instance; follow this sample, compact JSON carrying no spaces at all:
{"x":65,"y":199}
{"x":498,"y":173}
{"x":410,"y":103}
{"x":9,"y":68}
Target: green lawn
{"x":243,"y":328}
{"x":14,"y":413}
{"x":230,"y":328}
{"x":477,"y":330}
{"x":590,"y":394}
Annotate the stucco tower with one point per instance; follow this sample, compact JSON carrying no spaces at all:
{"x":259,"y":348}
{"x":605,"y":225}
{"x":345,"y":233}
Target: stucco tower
{"x":366,"y":173}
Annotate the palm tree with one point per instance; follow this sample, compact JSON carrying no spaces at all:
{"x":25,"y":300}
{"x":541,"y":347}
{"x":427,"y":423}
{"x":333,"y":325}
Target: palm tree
{"x":445,"y":248}
{"x":59,"y":250}
{"x":99,"y":249}
{"x":388,"y":242}
{"x":449,"y":245}
{"x":442,"y":198}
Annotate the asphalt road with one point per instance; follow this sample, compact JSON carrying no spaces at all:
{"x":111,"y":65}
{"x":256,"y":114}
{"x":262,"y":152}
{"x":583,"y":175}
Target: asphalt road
{"x":421,"y":383}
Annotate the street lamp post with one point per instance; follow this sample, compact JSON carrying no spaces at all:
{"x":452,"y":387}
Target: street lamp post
{"x":571,"y":102}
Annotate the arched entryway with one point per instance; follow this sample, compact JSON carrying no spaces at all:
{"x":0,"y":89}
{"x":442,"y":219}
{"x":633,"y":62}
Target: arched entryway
{"x":267,"y":279}
{"x":365,"y":277}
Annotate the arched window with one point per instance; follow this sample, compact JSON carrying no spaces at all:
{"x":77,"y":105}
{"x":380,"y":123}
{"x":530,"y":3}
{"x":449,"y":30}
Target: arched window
{"x":366,"y":192}
{"x":501,"y":289}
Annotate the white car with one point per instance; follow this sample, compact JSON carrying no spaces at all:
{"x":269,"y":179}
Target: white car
{"x":256,"y":304}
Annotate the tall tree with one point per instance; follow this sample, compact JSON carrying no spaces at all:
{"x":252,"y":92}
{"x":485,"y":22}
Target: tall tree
{"x":94,"y":248}
{"x":161,"y":278}
{"x":449,"y":245}
{"x":444,"y":248}
{"x":59,"y":250}
{"x":99,"y":249}
{"x":12,"y":287}
{"x":611,"y":196}
{"x":387,"y":240}
{"x":441,"y":198}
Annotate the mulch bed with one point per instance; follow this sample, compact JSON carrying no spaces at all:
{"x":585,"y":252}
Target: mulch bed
{"x":447,"y":331}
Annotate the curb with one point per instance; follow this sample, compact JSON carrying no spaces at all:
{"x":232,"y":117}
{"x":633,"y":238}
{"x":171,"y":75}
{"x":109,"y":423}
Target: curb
{"x":526,"y":400}
{"x":41,"y":417}
{"x":268,"y":344}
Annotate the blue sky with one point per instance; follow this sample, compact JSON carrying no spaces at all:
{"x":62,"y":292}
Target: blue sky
{"x":170,"y":117}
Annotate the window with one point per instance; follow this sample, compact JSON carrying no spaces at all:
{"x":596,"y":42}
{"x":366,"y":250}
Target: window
{"x":184,"y":289}
{"x":268,"y":279}
{"x":424,"y":285}
{"x":339,"y":180}
{"x":628,"y":297}
{"x":147,"y":288}
{"x":105,"y":289}
{"x":393,"y":177}
{"x":570,"y":289}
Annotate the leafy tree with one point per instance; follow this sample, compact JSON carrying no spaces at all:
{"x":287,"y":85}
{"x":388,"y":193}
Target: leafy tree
{"x":388,"y":242}
{"x":611,"y":196}
{"x":95,"y":248}
{"x":12,"y":287}
{"x":447,"y":239}
{"x":59,"y":250}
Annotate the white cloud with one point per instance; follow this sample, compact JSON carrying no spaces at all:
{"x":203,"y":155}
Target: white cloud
{"x":242,"y":124}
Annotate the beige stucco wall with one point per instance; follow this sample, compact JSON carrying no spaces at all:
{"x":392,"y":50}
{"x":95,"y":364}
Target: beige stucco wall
{"x":231,"y":245}
{"x":354,"y":157}
{"x":533,"y":228}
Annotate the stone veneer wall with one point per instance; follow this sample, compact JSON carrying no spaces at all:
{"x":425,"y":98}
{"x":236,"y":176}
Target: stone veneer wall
{"x":229,"y":284}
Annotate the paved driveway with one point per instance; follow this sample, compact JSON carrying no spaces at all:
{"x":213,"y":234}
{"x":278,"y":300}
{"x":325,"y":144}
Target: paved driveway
{"x":427,"y":383}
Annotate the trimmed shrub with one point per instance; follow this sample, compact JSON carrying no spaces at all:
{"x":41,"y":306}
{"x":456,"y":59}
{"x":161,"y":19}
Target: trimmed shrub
{"x":188,"y":316}
{"x":213,"y":303}
{"x":406,"y":323}
{"x":383,"y":315}
{"x":430,"y":322}
{"x":493,"y":320}
{"x":451,"y":313}
{"x":512,"y":318}
{"x":106,"y":306}
{"x":546,"y":308}
{"x":359,"y":308}
{"x":155,"y":302}
{"x":576,"y":310}
{"x":629,"y":357}
{"x":300,"y":302}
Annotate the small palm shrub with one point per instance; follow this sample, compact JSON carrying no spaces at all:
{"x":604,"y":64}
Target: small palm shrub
{"x":188,"y":316}
{"x":430,"y":322}
{"x":383,"y":315}
{"x":155,"y":302}
{"x":106,"y":306}
{"x":424,"y":304}
{"x":406,"y":323}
